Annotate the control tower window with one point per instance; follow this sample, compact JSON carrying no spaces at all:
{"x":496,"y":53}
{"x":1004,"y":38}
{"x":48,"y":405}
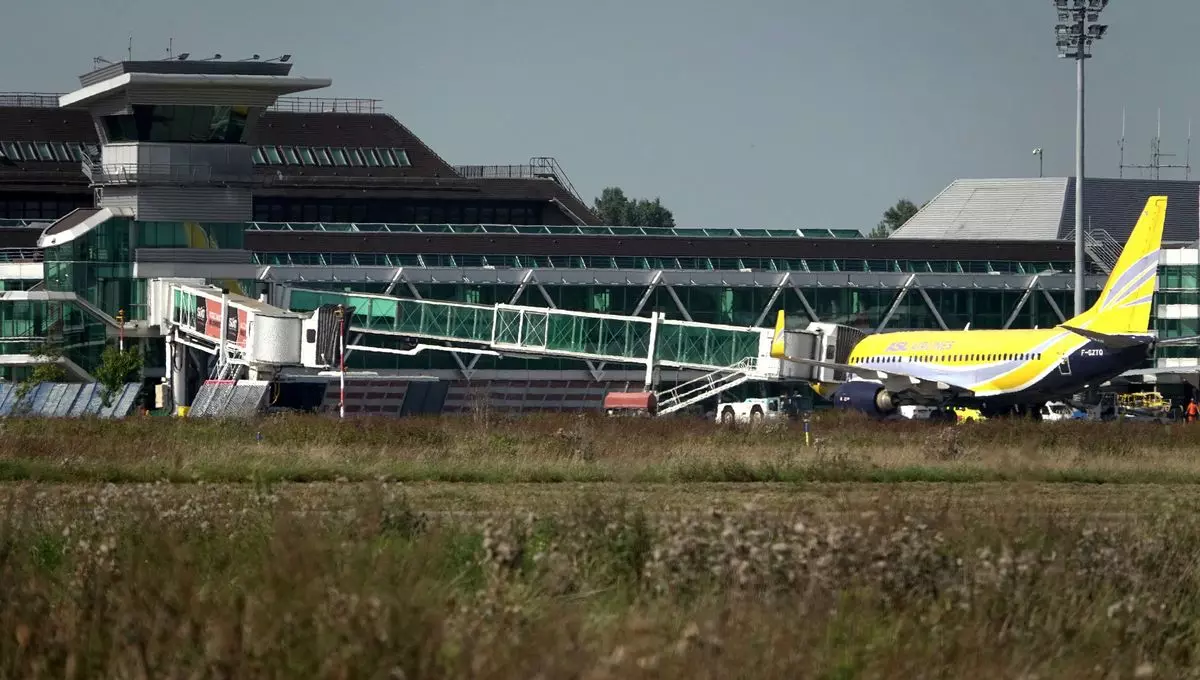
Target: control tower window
{"x":178,"y":124}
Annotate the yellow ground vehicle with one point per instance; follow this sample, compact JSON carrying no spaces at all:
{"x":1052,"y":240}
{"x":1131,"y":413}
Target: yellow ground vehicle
{"x":1144,"y":404}
{"x":968,"y":415}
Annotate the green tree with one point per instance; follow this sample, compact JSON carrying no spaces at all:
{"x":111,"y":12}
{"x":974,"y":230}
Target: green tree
{"x":115,"y":369}
{"x":46,"y":369}
{"x":616,"y":209}
{"x":894,"y":218}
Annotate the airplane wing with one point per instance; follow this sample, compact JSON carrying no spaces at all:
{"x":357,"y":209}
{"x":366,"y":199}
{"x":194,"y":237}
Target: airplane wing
{"x":896,"y":382}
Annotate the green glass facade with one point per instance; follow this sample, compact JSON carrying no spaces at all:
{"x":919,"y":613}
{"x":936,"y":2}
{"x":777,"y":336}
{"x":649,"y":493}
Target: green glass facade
{"x":1178,"y":288}
{"x":98,"y":267}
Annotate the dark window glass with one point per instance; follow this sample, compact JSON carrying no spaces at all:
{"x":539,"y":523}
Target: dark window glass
{"x":178,"y":124}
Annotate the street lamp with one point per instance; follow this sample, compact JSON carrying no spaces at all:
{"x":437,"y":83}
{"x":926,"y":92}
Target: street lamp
{"x":1075,"y":33}
{"x":1038,"y":152}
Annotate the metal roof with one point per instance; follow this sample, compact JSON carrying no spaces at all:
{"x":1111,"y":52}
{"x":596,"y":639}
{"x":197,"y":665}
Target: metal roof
{"x":1114,"y":205}
{"x":991,"y":209}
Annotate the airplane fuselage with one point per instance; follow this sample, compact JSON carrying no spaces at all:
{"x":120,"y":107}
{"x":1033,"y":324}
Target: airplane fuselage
{"x":1000,"y":366}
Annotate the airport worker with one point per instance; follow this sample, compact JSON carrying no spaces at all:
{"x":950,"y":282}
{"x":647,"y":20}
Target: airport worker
{"x":1192,"y":410}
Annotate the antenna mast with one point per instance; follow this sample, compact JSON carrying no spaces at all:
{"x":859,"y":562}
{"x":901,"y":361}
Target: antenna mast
{"x":1121,"y":146}
{"x":1156,"y":164}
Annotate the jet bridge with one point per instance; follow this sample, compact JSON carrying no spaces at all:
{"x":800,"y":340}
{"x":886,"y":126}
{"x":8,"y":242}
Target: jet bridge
{"x":729,"y":355}
{"x":247,"y":338}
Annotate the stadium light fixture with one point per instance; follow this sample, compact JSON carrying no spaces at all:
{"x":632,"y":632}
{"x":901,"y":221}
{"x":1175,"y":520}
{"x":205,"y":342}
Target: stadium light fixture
{"x":1075,"y":34}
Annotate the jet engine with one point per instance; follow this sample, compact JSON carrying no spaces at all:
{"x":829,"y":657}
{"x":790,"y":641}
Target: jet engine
{"x":864,"y":396}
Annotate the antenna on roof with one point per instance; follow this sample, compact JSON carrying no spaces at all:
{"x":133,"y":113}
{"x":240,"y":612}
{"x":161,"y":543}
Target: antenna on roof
{"x":96,"y":61}
{"x":170,"y":43}
{"x":1121,"y":146}
{"x":130,"y":47}
{"x":1156,"y":154}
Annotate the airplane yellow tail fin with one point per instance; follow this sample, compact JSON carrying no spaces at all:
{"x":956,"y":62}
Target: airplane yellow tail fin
{"x":1124,"y":304}
{"x":777,"y":348}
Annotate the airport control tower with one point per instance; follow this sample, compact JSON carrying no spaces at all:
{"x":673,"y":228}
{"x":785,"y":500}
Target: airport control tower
{"x":173,"y":180}
{"x":174,"y":134}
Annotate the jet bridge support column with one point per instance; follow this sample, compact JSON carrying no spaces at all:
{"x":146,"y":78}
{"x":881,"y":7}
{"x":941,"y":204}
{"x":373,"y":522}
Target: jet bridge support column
{"x":177,"y":372}
{"x":655,"y":317}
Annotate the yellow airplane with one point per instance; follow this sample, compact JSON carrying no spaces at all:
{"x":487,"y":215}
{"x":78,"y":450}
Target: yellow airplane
{"x":999,"y":371}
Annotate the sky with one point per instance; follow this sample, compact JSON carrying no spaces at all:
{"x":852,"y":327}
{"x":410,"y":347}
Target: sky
{"x":775,"y":113}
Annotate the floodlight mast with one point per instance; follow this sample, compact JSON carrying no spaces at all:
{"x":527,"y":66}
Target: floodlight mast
{"x":1076,"y":31}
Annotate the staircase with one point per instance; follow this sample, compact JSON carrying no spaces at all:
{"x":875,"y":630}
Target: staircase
{"x":708,"y":385}
{"x":1101,"y":247}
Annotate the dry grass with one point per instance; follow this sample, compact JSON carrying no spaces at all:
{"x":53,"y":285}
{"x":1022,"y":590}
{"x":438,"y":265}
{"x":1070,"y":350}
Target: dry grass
{"x":239,"y":581}
{"x":591,"y":449}
{"x":672,"y":549}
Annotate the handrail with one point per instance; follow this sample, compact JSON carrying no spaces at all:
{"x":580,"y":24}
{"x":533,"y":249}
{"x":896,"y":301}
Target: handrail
{"x":326,"y":105}
{"x":137,"y":173}
{"x":21,"y":255}
{"x":33,"y":100}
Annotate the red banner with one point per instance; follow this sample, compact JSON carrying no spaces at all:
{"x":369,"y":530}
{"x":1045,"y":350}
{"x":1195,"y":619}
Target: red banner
{"x":208,"y":321}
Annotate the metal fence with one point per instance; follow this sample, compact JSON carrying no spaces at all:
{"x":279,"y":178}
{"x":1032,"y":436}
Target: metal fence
{"x":39,"y":100}
{"x":326,"y":105}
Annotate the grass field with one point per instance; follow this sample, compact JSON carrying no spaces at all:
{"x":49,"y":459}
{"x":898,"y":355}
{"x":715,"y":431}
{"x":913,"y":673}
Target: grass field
{"x":586,"y":548}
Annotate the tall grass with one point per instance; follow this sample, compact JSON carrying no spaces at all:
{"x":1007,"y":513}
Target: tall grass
{"x":557,"y":448}
{"x":140,"y":583}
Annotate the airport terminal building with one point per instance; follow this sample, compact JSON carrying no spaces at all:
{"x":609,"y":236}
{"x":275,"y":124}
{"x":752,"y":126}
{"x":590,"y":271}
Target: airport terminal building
{"x":220,"y":171}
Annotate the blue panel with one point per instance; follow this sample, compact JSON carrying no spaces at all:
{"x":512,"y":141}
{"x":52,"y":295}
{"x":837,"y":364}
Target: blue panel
{"x":59,"y":400}
{"x":7,"y":393}
{"x":82,"y":403}
{"x":124,"y":401}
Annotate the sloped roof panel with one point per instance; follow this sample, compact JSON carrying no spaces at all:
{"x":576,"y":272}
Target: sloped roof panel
{"x":1009,"y":209}
{"x":1114,"y":205}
